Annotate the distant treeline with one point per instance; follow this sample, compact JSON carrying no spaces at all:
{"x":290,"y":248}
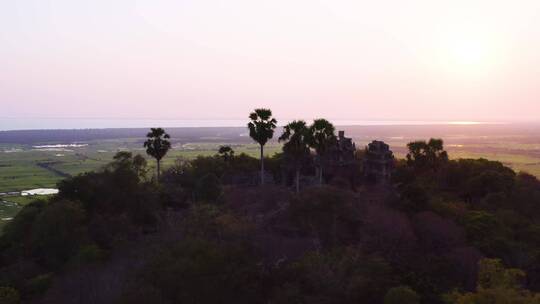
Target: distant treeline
{"x":78,"y":135}
{"x":525,"y":133}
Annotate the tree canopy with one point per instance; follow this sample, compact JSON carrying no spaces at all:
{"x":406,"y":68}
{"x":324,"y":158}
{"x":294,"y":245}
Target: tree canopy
{"x":157,"y":145}
{"x":261,"y":129}
{"x":429,"y":154}
{"x":296,"y":145}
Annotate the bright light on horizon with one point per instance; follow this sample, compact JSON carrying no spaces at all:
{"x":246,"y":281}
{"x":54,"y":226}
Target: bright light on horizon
{"x":465,"y":123}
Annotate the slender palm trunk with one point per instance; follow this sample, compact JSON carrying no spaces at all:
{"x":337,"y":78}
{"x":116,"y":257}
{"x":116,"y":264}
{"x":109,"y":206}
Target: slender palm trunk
{"x":320,"y":168}
{"x":262,"y":165}
{"x":158,"y":169}
{"x":334,"y":227}
{"x":297,"y":180}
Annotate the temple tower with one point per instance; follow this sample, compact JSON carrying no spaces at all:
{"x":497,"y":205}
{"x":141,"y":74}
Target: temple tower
{"x":378,"y":162}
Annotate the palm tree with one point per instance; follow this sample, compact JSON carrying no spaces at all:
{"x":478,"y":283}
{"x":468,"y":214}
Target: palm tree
{"x":321,"y":138}
{"x":261,"y":129}
{"x":296,"y":148}
{"x":157,"y":145}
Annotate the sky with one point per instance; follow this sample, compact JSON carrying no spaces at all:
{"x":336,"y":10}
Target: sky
{"x":356,"y":60}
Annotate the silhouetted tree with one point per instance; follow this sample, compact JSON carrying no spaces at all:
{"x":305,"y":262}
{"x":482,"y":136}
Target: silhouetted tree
{"x":322,"y":211}
{"x":496,"y":284}
{"x":226,"y":152}
{"x":208,"y":188}
{"x":197,"y":271}
{"x":424,"y":154}
{"x":9,"y":295}
{"x":321,"y":138}
{"x":126,"y":160}
{"x":341,"y":275}
{"x":401,"y":295}
{"x":157,"y":145}
{"x":296,"y":148}
{"x":58,"y":232}
{"x":261,"y":129}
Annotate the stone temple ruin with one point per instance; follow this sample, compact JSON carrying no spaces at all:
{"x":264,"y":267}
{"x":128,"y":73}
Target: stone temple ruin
{"x":378,"y":162}
{"x":341,"y":165}
{"x":343,"y":152}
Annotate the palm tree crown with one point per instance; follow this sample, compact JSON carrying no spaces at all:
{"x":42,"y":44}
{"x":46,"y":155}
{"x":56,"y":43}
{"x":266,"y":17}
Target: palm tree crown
{"x":261,"y":129}
{"x":157,"y":145}
{"x":296,"y":148}
{"x":262,"y":125}
{"x":296,"y":136}
{"x":321,"y":138}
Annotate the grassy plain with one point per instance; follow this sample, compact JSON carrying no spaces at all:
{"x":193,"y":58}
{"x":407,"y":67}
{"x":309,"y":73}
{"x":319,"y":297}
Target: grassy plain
{"x":11,"y":205}
{"x":29,"y":168}
{"x":24,"y":166}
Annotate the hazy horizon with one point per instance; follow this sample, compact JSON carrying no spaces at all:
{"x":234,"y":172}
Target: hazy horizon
{"x":15,"y":124}
{"x":217,"y":60}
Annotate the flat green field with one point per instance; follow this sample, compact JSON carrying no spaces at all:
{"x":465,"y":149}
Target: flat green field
{"x":517,"y":161}
{"x":24,"y":167}
{"x":11,"y":205}
{"x":20,"y":171}
{"x":7,"y":211}
{"x":28,"y":168}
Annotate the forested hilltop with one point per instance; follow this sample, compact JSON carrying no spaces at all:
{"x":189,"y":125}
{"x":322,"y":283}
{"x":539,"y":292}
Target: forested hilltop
{"x":307,"y":225}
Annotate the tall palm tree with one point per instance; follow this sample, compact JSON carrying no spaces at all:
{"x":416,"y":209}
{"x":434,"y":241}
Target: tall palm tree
{"x":296,"y":148}
{"x":157,"y":145}
{"x":321,"y":138}
{"x":261,"y":129}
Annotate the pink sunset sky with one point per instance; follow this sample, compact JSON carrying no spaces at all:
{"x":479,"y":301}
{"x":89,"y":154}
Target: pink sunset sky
{"x":202,"y":59}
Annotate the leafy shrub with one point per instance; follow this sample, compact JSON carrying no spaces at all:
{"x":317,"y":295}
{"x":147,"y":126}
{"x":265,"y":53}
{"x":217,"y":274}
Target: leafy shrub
{"x":480,"y":225}
{"x":143,"y":294}
{"x":414,"y":198}
{"x":198,"y":271}
{"x":401,"y":295}
{"x":17,"y":230}
{"x":57,"y":233}
{"x":322,"y":211}
{"x":208,"y":188}
{"x":496,"y":284}
{"x":343,"y":275}
{"x":90,"y":253}
{"x":9,"y":295}
{"x":39,"y":284}
{"x":201,"y":221}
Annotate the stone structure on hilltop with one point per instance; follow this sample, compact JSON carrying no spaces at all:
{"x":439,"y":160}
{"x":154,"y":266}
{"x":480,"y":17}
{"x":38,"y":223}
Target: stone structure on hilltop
{"x":342,"y":164}
{"x":343,"y":153}
{"x":378,"y":162}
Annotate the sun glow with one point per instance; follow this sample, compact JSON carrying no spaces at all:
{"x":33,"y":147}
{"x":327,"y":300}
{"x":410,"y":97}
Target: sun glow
{"x":468,"y":52}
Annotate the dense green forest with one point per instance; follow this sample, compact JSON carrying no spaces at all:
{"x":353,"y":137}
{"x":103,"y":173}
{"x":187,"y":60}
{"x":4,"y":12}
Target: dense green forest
{"x":440,"y":231}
